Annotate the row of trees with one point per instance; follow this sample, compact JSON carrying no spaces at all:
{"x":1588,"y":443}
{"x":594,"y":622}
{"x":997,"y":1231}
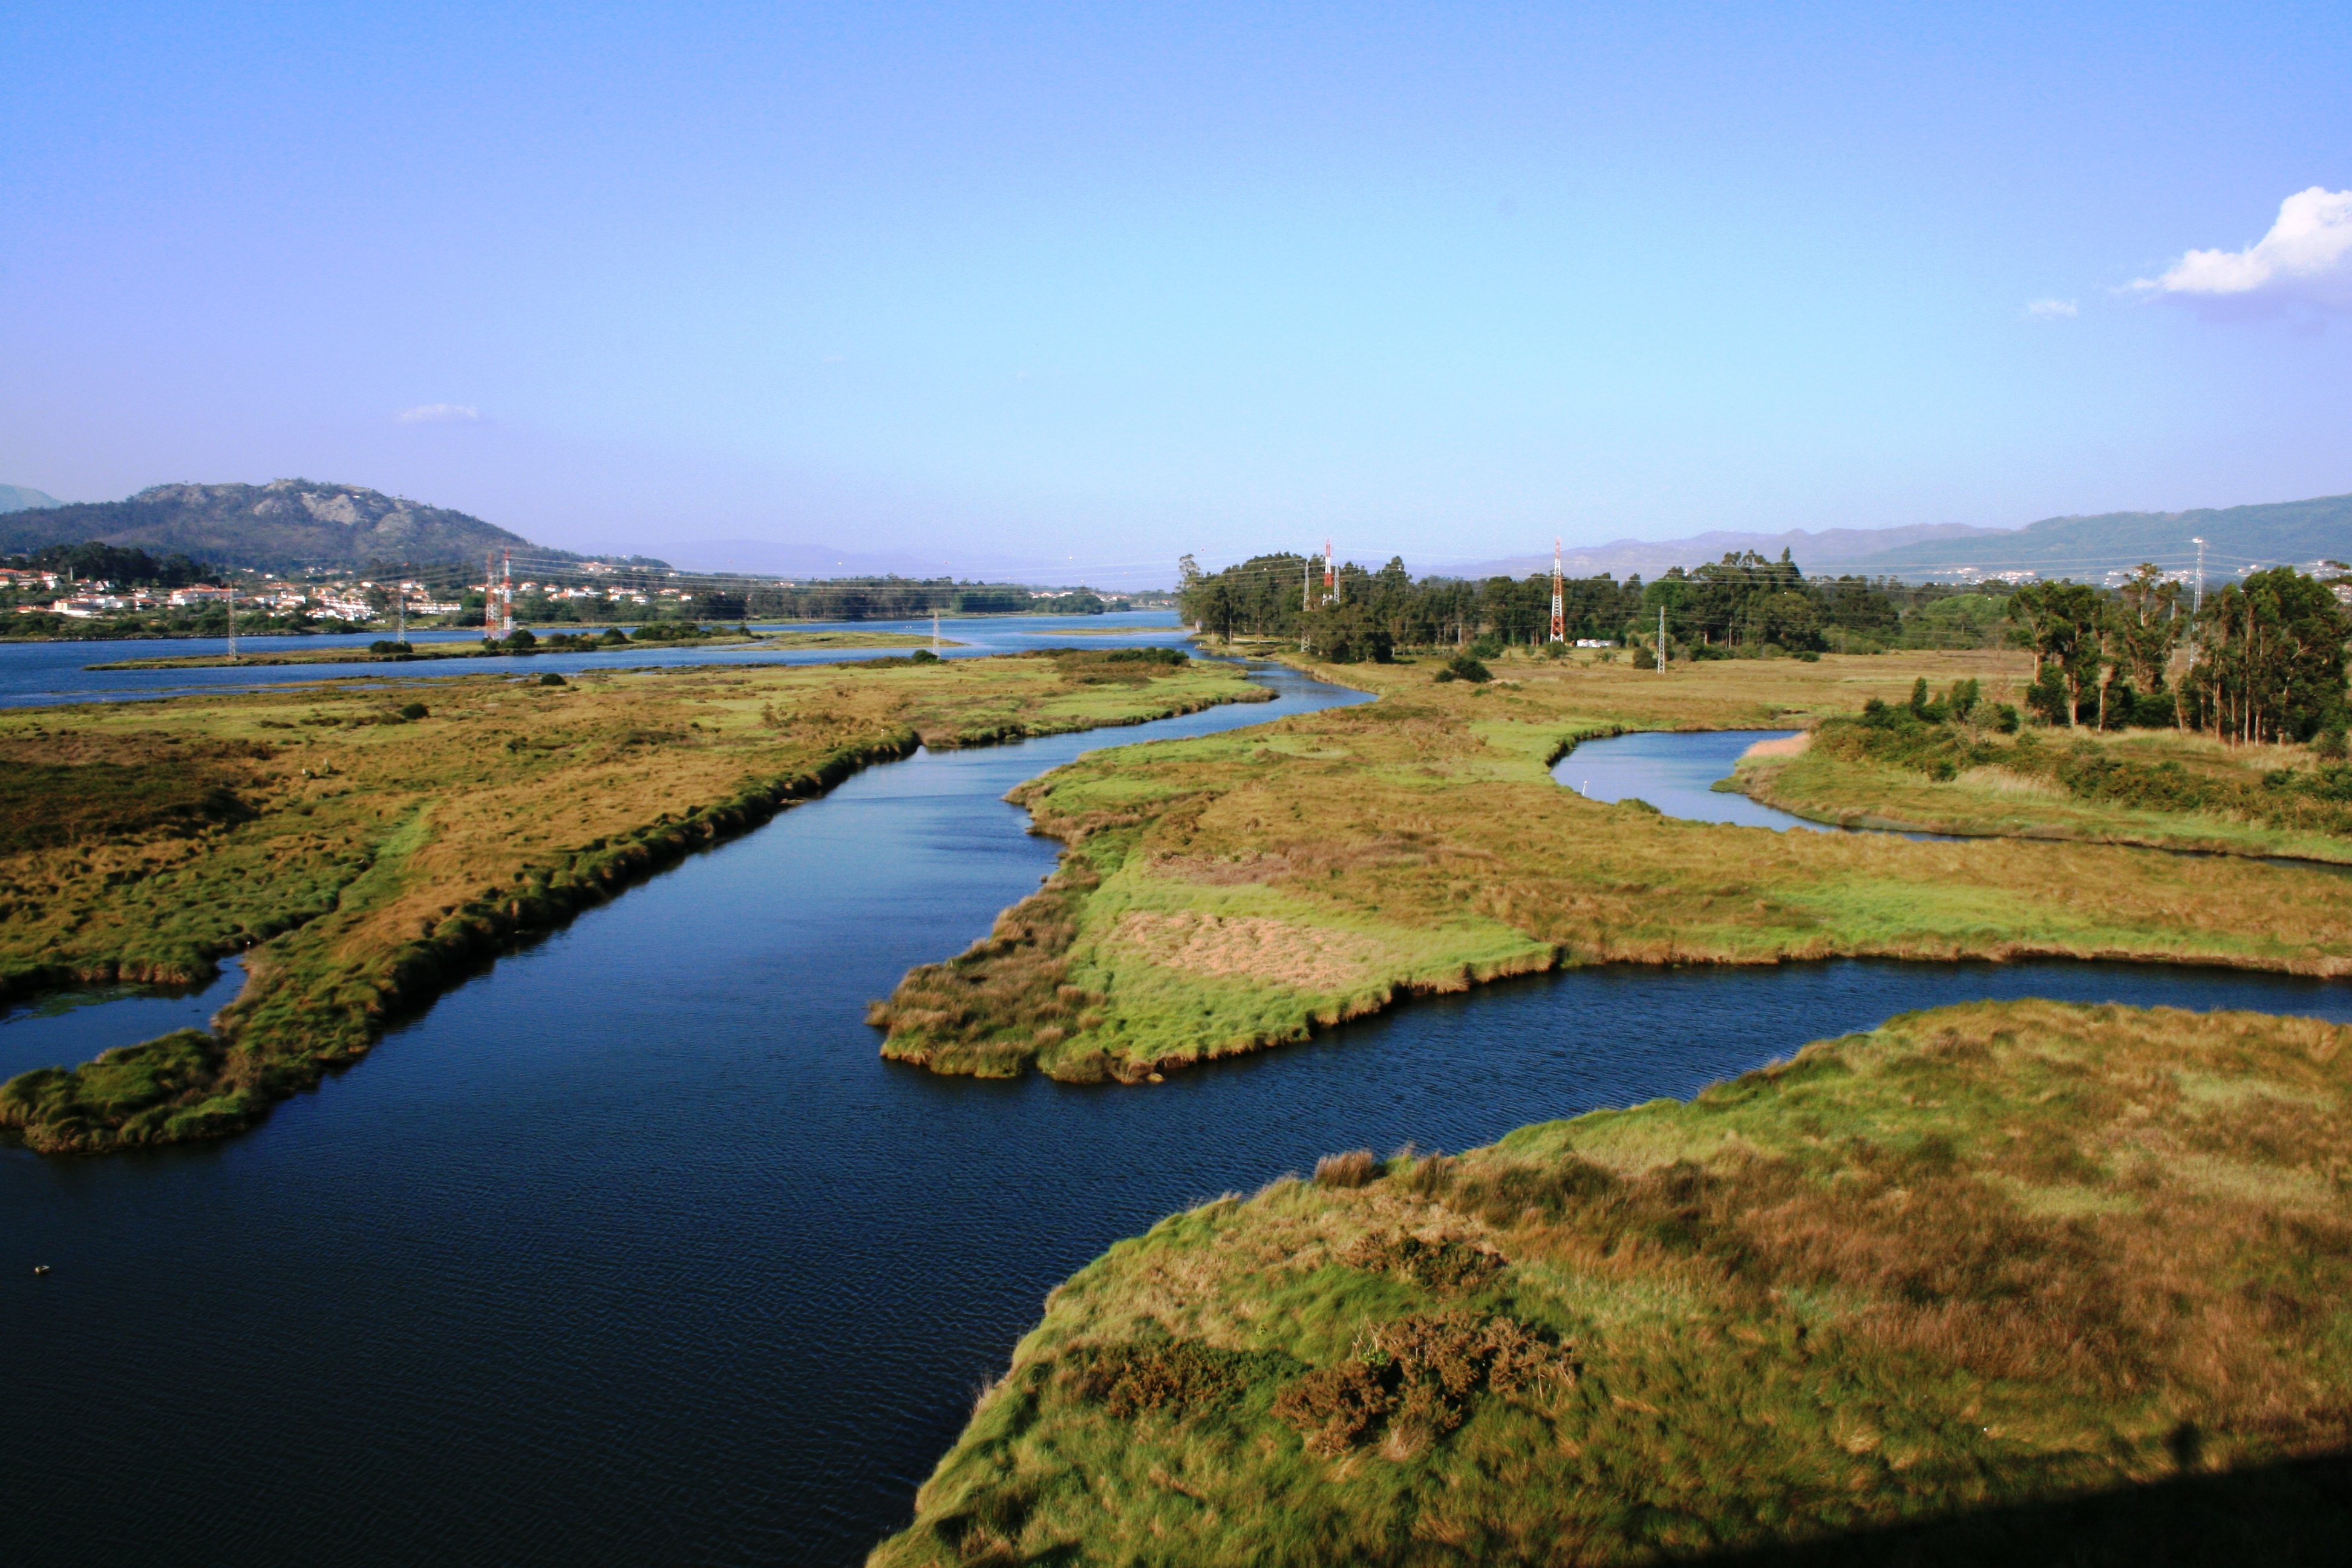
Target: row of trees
{"x":2263,"y":660}
{"x":1742,"y":603}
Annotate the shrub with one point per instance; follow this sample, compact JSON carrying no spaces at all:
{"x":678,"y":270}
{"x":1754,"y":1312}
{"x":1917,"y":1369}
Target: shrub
{"x":922,"y":655}
{"x":521,"y":640}
{"x":1419,"y":1373}
{"x":415,"y":711}
{"x":1447,"y":1265}
{"x":1182,"y":1376}
{"x":551,"y":679}
{"x":1355,"y":1168}
{"x":386,"y":645}
{"x":1336,"y":1408}
{"x":1644,"y":659}
{"x":1468,"y":668}
{"x":2331,"y":744}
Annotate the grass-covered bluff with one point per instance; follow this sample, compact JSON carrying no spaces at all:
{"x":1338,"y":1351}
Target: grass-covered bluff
{"x":2006,"y":1279}
{"x":370,"y":841}
{"x":1237,"y":891}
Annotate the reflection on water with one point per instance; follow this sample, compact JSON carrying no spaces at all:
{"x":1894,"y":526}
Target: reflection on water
{"x":633,"y":1249}
{"x":1674,"y":773}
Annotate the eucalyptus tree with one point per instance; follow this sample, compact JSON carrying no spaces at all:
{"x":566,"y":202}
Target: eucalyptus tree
{"x":2269,"y":661}
{"x":2061,"y":623}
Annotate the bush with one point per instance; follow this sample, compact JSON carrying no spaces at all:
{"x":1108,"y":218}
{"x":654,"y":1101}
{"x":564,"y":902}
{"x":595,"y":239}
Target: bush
{"x":1466,"y":667}
{"x":1447,"y":1265}
{"x":1181,"y":1376}
{"x":520,"y":640}
{"x":386,"y":645}
{"x":551,"y":679}
{"x":1644,"y":659}
{"x":922,"y":655}
{"x":416,"y":710}
{"x":2331,"y":744}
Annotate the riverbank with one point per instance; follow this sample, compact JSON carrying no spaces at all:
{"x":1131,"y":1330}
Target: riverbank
{"x":2015,"y":1277}
{"x":1225,"y":895}
{"x":371,"y":842}
{"x":2155,"y":788}
{"x":554,"y":643}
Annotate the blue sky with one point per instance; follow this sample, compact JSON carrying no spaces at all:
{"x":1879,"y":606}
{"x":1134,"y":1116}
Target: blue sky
{"x":1107,"y":283}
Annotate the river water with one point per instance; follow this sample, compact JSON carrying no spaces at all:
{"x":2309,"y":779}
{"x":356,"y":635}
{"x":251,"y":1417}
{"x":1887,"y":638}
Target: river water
{"x":632,"y":1249}
{"x":41,"y":674}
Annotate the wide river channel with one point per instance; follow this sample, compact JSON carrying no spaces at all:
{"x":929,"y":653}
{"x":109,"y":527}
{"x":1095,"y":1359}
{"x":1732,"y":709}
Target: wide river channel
{"x":631,"y":1249}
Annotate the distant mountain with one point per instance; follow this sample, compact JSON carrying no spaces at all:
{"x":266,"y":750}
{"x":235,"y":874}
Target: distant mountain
{"x":2084,"y":548}
{"x":2294,"y":532}
{"x":21,"y":497}
{"x":282,"y":526}
{"x":1827,"y":551}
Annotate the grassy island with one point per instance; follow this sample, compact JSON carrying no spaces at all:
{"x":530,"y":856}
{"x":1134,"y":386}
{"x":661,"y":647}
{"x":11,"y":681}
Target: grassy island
{"x":2005,"y":1282}
{"x":369,"y":839}
{"x":1953,"y":763}
{"x":1238,"y":892}
{"x":614,"y":641}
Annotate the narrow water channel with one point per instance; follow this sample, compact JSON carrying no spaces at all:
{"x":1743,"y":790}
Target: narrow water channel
{"x":633,"y":1250}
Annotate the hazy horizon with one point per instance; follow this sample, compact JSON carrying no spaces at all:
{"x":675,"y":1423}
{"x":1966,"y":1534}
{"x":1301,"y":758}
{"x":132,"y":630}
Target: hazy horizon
{"x":1043,"y":284}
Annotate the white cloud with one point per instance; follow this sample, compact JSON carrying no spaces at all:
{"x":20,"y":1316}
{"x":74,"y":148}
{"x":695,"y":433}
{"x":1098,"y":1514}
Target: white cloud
{"x":437,"y":414}
{"x":2306,"y":256}
{"x":2050,"y":309}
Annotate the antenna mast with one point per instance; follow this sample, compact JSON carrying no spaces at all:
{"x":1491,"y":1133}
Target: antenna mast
{"x":1559,"y":607}
{"x":2199,"y":601}
{"x":1331,"y":577}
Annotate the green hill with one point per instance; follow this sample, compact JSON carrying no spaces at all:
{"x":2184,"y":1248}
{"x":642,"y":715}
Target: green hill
{"x":2296,"y":533}
{"x":285,"y":525}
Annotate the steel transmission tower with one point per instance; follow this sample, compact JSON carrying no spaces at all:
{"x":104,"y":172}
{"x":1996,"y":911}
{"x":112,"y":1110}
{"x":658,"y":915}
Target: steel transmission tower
{"x":1558,"y":605}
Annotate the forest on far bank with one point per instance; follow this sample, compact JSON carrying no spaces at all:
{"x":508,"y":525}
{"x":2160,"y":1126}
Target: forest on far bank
{"x":2260,"y":658}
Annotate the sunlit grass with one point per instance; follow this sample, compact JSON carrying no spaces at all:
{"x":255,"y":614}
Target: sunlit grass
{"x":1245,"y":890}
{"x":373,"y":857}
{"x":1981,"y":1260}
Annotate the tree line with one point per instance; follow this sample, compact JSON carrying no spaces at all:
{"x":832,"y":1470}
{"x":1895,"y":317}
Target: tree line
{"x":2262,"y":659}
{"x":1742,"y":605}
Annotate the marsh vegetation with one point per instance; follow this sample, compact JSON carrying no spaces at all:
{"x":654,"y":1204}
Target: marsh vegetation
{"x":1956,"y":1276}
{"x":1231,"y":893}
{"x":368,"y":841}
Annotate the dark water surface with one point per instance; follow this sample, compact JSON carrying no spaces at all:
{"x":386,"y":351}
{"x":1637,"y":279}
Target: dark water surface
{"x":633,"y":1250}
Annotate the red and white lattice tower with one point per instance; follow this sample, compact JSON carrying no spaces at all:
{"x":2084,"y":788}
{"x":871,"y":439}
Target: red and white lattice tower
{"x":506,"y":597}
{"x":1558,"y":605}
{"x":489,"y":594}
{"x":1330,"y":575}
